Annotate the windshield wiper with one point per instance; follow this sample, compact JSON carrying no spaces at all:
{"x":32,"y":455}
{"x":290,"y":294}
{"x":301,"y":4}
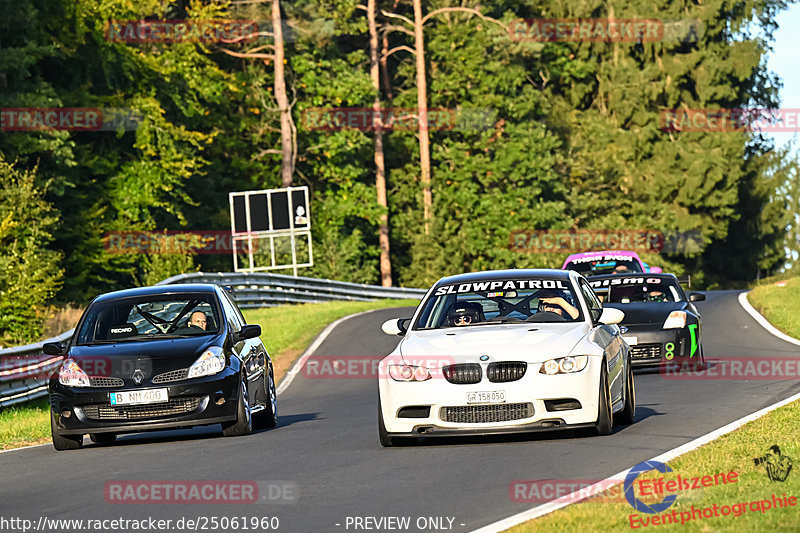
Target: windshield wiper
{"x":504,"y":319}
{"x":149,"y":336}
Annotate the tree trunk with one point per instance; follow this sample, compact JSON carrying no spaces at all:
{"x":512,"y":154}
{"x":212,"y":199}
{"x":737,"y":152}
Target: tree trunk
{"x":422,"y":104}
{"x":380,"y":169}
{"x":287,"y":146}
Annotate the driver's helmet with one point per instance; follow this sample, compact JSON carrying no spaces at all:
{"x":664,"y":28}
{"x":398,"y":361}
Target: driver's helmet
{"x":464,"y":314}
{"x":656,"y":296}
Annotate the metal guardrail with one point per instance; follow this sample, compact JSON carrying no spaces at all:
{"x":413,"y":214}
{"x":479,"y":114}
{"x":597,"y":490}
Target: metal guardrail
{"x":267,"y":290}
{"x":24,"y":370}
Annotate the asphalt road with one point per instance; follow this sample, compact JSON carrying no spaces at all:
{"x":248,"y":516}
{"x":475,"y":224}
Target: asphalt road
{"x":326,"y":447}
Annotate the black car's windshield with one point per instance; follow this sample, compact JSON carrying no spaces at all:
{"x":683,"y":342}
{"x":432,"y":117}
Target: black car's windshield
{"x":596,"y":266}
{"x":149,"y":318}
{"x":638,"y":289}
{"x":499,"y":301}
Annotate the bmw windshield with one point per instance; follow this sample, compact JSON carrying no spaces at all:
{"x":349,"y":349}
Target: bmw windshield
{"x":499,"y":301}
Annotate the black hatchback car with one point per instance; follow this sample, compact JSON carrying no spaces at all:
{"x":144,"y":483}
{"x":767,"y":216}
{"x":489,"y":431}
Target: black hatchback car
{"x":162,"y":357}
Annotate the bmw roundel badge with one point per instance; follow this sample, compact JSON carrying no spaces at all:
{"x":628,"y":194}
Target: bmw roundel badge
{"x":484,"y":358}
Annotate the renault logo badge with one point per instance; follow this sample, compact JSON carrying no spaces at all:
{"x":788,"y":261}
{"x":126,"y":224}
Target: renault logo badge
{"x":484,"y":358}
{"x":137,"y":376}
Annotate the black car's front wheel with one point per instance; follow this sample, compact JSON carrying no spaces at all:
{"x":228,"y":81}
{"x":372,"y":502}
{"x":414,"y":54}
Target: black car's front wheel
{"x":268,"y":417}
{"x":244,"y":416}
{"x":64,"y":442}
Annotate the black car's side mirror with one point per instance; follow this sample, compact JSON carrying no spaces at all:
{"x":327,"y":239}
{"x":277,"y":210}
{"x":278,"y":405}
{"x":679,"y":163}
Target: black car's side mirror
{"x":250,"y":331}
{"x":696,"y":297}
{"x":53,"y":348}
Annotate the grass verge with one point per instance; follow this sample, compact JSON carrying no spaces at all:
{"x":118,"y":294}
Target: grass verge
{"x":778,"y":302}
{"x":286,"y":331}
{"x":25,"y":425}
{"x":733,"y":452}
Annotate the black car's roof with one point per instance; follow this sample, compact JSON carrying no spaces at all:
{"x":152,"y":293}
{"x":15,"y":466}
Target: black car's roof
{"x":513,"y":273}
{"x":157,"y":290}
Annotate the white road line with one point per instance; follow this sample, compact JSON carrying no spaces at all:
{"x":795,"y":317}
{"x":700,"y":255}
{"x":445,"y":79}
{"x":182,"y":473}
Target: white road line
{"x":298,"y":365}
{"x":763,"y":321}
{"x":26,"y":447}
{"x":549,"y":507}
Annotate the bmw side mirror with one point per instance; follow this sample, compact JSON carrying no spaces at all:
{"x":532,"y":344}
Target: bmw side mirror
{"x":53,"y":348}
{"x":250,"y":331}
{"x":696,"y":297}
{"x":396,"y":326}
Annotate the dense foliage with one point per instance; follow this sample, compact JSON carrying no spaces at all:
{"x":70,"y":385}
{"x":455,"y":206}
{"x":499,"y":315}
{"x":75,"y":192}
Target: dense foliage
{"x":549,"y":135}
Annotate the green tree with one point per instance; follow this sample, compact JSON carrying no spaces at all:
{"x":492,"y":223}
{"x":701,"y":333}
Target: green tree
{"x":29,"y":276}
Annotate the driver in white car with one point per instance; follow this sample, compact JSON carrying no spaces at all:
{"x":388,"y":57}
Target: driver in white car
{"x":552,"y":301}
{"x":464,"y":314}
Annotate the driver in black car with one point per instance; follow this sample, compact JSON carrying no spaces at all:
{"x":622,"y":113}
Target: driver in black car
{"x":552,"y":301}
{"x":464,"y":313}
{"x":198,"y":320}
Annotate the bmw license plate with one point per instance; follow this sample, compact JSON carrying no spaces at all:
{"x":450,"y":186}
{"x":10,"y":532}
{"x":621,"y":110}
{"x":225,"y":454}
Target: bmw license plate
{"x":138,"y":397}
{"x":497,"y":396}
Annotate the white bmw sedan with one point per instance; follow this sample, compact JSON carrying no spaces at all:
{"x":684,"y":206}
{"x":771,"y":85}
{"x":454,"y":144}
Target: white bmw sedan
{"x":505,"y":351}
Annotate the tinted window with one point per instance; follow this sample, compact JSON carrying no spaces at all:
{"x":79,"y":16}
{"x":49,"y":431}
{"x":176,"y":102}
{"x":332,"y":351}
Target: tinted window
{"x":596,"y":267}
{"x":149,"y":318}
{"x":640,"y":289}
{"x":499,"y":301}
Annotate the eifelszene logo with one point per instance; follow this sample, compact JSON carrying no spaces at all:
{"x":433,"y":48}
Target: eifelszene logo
{"x":638,"y":504}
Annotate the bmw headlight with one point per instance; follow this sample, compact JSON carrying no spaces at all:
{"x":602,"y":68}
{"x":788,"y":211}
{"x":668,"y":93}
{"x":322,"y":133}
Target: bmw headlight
{"x":564,"y":365}
{"x":211,"y":362}
{"x":676,"y":319}
{"x":409,"y":373}
{"x":72,"y":375}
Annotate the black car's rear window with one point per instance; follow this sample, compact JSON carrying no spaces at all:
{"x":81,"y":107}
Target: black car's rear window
{"x":149,"y":318}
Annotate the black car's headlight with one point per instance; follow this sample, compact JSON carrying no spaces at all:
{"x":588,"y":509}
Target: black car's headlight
{"x":72,"y":375}
{"x":676,"y":319}
{"x":211,"y":362}
{"x":564,"y":365}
